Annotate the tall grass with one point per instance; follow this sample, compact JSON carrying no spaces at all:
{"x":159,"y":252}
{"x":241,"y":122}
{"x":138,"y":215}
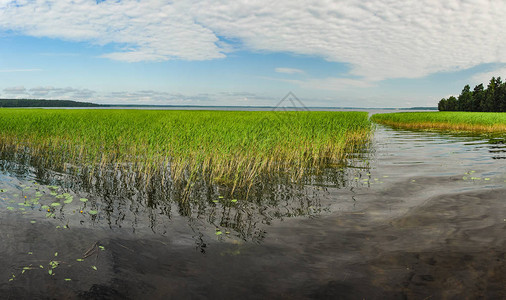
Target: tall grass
{"x":456,"y":121}
{"x":224,"y":146}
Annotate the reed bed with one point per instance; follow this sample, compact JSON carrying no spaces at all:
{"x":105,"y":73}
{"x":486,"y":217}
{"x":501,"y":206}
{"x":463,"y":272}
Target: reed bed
{"x":450,"y":121}
{"x":224,"y":146}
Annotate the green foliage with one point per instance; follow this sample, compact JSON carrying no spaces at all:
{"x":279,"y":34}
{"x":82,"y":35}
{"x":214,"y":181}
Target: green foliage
{"x":491,"y":99}
{"x":227,"y":145}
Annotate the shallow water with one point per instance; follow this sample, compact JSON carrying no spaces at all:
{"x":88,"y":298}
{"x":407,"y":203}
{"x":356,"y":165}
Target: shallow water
{"x":426,"y":219}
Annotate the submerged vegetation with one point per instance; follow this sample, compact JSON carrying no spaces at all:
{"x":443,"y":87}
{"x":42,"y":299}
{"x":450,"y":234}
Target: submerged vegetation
{"x":217,"y":146}
{"x":456,"y":121}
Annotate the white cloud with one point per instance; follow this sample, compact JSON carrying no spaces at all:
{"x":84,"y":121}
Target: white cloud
{"x":379,"y":39}
{"x":16,"y":90}
{"x":149,"y":29}
{"x":49,"y":92}
{"x":289,"y":71}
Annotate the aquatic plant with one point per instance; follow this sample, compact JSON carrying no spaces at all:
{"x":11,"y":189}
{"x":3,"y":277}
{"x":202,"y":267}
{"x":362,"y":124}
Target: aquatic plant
{"x":221,"y":146}
{"x":454,"y":121}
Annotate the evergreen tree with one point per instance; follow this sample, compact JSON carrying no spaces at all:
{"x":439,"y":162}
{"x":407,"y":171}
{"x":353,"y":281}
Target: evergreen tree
{"x":478,"y":97}
{"x":451,"y":104}
{"x":441,"y":106}
{"x":465,"y":99}
{"x":501,"y":90}
{"x":488,"y":103}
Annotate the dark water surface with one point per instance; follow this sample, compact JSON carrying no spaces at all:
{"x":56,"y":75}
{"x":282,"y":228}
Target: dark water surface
{"x":424,"y":218}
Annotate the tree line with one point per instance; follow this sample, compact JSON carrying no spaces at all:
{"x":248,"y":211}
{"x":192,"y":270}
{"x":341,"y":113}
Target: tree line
{"x":44,"y":103}
{"x":490,"y":99}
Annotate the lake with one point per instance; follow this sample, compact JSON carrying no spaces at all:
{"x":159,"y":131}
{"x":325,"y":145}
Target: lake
{"x":420,"y":215}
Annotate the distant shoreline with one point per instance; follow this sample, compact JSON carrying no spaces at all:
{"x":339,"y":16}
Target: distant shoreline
{"x":43,"y":103}
{"x":40,"y":103}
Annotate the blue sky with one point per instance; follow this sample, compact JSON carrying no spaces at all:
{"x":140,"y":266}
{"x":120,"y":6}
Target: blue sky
{"x":199,"y":52}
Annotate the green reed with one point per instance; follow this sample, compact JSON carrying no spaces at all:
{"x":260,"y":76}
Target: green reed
{"x":457,"y":121}
{"x":225,"y":146}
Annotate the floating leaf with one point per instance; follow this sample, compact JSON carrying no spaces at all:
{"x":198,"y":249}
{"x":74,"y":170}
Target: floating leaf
{"x":83,"y":200}
{"x":69,"y":200}
{"x":80,"y":259}
{"x":50,"y":272}
{"x":233,"y":200}
{"x":101,"y":248}
{"x":44,"y":207}
{"x":68,"y":279}
{"x":55,"y":204}
{"x":218,"y":232}
{"x":93,"y":212}
{"x":10,"y":208}
{"x":54,"y":194}
{"x":56,"y":254}
{"x":30,"y":253}
{"x":33,"y":222}
{"x":41,"y":266}
{"x":94,"y":268}
{"x":220,"y":197}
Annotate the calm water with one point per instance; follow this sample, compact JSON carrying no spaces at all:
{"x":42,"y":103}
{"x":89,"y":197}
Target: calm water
{"x":424,"y":218}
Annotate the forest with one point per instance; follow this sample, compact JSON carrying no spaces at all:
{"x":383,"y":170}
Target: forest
{"x":490,"y":99}
{"x":44,"y":103}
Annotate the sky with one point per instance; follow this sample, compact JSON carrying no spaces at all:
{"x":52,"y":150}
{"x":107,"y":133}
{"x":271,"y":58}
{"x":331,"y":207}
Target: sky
{"x":342,"y":53}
